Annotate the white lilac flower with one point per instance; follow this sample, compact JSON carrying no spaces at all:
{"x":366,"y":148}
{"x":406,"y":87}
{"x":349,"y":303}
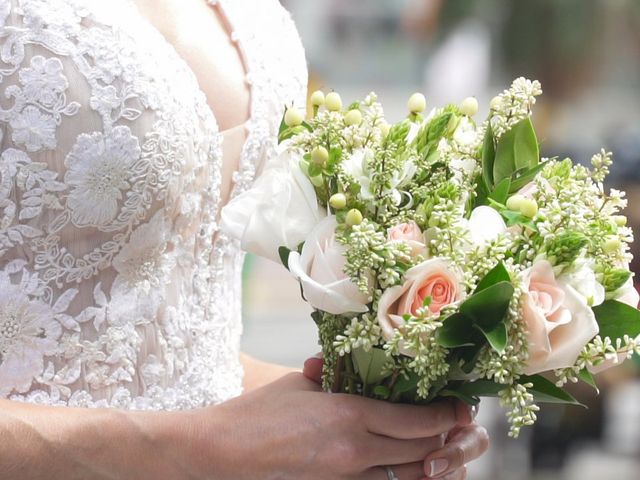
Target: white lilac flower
{"x":28,"y":332}
{"x":514,"y":104}
{"x":43,"y":81}
{"x":33,"y":129}
{"x":143,"y":261}
{"x":98,"y":170}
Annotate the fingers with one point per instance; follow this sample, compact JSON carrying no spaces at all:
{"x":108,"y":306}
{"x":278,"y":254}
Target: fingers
{"x":390,"y":451}
{"x":313,"y":368}
{"x":464,"y":446}
{"x":459,"y":474}
{"x":408,"y":421}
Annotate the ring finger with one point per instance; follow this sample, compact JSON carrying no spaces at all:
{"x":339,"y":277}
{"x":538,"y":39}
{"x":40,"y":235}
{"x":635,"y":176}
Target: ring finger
{"x":407,"y":471}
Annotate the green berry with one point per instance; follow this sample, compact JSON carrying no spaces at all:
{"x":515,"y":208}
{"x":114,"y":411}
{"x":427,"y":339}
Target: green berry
{"x":319,"y":155}
{"x":338,"y":201}
{"x":354,"y":217}
{"x":293,"y":117}
{"x":333,"y":102}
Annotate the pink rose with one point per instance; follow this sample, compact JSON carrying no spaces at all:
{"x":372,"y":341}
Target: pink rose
{"x":558,"y":320}
{"x":410,"y":233}
{"x":432,"y":278}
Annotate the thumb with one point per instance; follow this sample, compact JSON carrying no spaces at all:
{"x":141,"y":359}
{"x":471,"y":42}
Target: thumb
{"x":313,"y":368}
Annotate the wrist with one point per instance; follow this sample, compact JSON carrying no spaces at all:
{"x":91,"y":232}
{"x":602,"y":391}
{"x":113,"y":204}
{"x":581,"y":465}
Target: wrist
{"x":191,"y":443}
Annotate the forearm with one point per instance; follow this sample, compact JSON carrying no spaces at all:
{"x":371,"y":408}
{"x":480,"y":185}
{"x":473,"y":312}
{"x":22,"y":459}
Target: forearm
{"x":258,"y":373}
{"x":40,"y":442}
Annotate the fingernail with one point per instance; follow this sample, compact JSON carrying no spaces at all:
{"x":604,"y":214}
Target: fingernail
{"x":438,"y":466}
{"x":474,"y":411}
{"x":318,"y":355}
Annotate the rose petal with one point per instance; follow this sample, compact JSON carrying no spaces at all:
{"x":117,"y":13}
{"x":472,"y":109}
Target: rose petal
{"x":485,"y":225}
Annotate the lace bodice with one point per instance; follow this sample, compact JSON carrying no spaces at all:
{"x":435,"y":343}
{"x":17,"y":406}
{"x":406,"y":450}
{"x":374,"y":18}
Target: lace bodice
{"x":116,"y":286}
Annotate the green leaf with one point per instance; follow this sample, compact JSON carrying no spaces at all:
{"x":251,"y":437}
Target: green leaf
{"x":406,"y":384}
{"x":544,"y":391}
{"x":527,"y":176}
{"x":488,"y":307}
{"x":456,"y":331}
{"x":315,"y":169}
{"x":469,"y":400}
{"x":283,"y":126}
{"x":335,"y":154}
{"x":382,"y":391}
{"x":488,"y":158}
{"x":283,"y":253}
{"x":501,"y":192}
{"x":497,"y":274}
{"x":516,"y":218}
{"x":317,"y":317}
{"x":370,"y":365}
{"x":516,"y":149}
{"x":586,"y":376}
{"x":481,"y":388}
{"x":617,"y":319}
{"x":497,"y":336}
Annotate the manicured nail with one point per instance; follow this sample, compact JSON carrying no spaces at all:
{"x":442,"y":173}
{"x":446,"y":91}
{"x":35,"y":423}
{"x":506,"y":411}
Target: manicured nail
{"x":318,"y":355}
{"x":438,"y":466}
{"x":474,"y":411}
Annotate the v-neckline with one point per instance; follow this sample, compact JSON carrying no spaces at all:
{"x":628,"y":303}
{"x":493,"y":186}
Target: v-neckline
{"x":233,"y":37}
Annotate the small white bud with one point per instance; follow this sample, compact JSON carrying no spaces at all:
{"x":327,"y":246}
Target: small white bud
{"x":384,"y":128}
{"x":338,"y":201}
{"x":528,"y":207}
{"x":353,"y":117}
{"x":333,"y":102}
{"x":469,"y":106}
{"x":495,"y":103}
{"x":317,"y":98}
{"x":611,"y":244}
{"x":354,"y":217}
{"x":293,"y":117}
{"x":417,"y":103}
{"x":514,"y":202}
{"x":319,"y":155}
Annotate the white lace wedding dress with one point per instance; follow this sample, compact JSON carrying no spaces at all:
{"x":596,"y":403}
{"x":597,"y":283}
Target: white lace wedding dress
{"x":116,"y":286}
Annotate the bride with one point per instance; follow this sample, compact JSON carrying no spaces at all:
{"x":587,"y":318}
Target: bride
{"x":126,"y":125}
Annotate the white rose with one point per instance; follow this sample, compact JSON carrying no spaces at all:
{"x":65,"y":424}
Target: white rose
{"x":485,"y":225}
{"x":558,"y":321}
{"x":320,"y":271}
{"x":583,"y":280}
{"x":279,"y":210}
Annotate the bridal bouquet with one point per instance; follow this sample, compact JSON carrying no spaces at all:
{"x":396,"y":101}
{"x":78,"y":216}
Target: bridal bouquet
{"x":444,"y":257}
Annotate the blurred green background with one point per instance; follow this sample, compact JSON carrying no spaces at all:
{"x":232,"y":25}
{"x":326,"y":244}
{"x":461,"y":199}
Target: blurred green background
{"x":586,"y":53}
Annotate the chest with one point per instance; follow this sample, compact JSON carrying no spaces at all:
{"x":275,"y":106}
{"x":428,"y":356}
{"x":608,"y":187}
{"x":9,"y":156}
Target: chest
{"x":203,"y":36}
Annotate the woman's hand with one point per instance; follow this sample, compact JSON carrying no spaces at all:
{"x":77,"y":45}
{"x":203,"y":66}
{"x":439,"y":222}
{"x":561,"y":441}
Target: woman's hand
{"x":290,"y":429}
{"x":463,"y":443}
